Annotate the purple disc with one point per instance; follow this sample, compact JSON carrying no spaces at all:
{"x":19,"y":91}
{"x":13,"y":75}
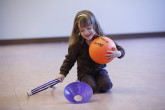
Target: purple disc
{"x":81,"y":89}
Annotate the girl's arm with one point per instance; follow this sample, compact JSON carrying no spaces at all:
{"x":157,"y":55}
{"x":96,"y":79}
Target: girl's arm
{"x":117,"y":52}
{"x":69,"y":61}
{"x":121,"y":49}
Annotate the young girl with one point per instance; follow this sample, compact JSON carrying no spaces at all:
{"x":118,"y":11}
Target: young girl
{"x":85,"y":29}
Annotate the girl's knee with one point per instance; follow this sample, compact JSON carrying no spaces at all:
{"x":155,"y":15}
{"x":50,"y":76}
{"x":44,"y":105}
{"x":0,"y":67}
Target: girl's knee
{"x":94,"y":87}
{"x":90,"y":81}
{"x":105,"y":87}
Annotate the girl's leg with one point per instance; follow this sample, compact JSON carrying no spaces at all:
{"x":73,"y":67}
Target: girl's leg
{"x":103,"y":81}
{"x":89,"y":80}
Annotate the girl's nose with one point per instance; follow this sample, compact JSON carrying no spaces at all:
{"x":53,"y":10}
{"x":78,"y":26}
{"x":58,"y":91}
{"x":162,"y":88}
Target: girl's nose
{"x":86,"y":32}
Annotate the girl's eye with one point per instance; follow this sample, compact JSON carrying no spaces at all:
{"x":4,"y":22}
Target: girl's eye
{"x":90,"y":28}
{"x":82,"y":31}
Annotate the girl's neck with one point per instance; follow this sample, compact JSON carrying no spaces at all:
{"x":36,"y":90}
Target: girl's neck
{"x":88,"y":42}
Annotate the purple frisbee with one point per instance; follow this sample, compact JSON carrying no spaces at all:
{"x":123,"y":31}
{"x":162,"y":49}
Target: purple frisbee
{"x":78,"y":92}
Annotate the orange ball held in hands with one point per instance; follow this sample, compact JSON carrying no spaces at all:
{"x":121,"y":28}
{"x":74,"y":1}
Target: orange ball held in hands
{"x":99,"y":47}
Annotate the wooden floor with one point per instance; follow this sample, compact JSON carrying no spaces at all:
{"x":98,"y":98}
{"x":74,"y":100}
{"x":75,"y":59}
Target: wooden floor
{"x":138,"y":78}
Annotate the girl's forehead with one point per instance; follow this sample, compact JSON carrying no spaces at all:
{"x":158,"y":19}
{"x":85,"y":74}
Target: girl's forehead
{"x":84,"y":26}
{"x":84,"y":21}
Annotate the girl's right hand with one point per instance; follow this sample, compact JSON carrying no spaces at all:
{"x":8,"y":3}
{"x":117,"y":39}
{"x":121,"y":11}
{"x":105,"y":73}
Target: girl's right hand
{"x":61,"y":76}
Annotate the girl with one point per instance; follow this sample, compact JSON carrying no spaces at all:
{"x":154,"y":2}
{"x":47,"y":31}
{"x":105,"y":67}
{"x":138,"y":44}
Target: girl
{"x":85,"y":29}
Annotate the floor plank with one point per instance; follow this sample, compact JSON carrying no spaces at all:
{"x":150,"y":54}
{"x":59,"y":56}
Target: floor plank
{"x":138,"y":78}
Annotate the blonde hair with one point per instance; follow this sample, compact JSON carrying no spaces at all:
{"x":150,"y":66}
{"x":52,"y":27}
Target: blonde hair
{"x":84,"y":18}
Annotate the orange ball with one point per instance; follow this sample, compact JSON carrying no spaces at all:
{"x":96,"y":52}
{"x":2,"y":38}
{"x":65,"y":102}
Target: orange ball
{"x":99,"y":47}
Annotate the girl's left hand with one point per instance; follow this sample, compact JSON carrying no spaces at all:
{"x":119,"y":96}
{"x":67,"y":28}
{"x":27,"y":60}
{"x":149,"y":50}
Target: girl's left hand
{"x":113,"y":54}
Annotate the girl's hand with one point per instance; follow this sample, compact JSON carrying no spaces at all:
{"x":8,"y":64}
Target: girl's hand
{"x":61,"y":76}
{"x":113,"y":54}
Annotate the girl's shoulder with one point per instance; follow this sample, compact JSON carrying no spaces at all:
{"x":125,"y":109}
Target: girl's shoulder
{"x":76,"y":46}
{"x":77,"y":43}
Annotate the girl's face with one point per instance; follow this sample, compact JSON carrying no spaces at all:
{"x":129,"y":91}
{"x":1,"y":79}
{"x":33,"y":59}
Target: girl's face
{"x":87,"y":32}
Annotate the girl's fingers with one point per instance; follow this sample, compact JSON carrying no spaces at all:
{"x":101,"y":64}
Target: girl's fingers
{"x":109,"y":56}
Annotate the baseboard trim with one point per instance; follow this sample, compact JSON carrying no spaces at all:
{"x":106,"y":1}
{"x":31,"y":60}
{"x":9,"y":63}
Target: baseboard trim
{"x":34,"y":40}
{"x":66,"y":39}
{"x":137,"y":35}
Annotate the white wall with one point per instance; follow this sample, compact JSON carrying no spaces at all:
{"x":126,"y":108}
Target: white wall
{"x":54,"y":18}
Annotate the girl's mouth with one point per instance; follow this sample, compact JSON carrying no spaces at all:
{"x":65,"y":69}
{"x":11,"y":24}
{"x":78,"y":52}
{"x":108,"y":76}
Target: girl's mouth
{"x":88,"y":35}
